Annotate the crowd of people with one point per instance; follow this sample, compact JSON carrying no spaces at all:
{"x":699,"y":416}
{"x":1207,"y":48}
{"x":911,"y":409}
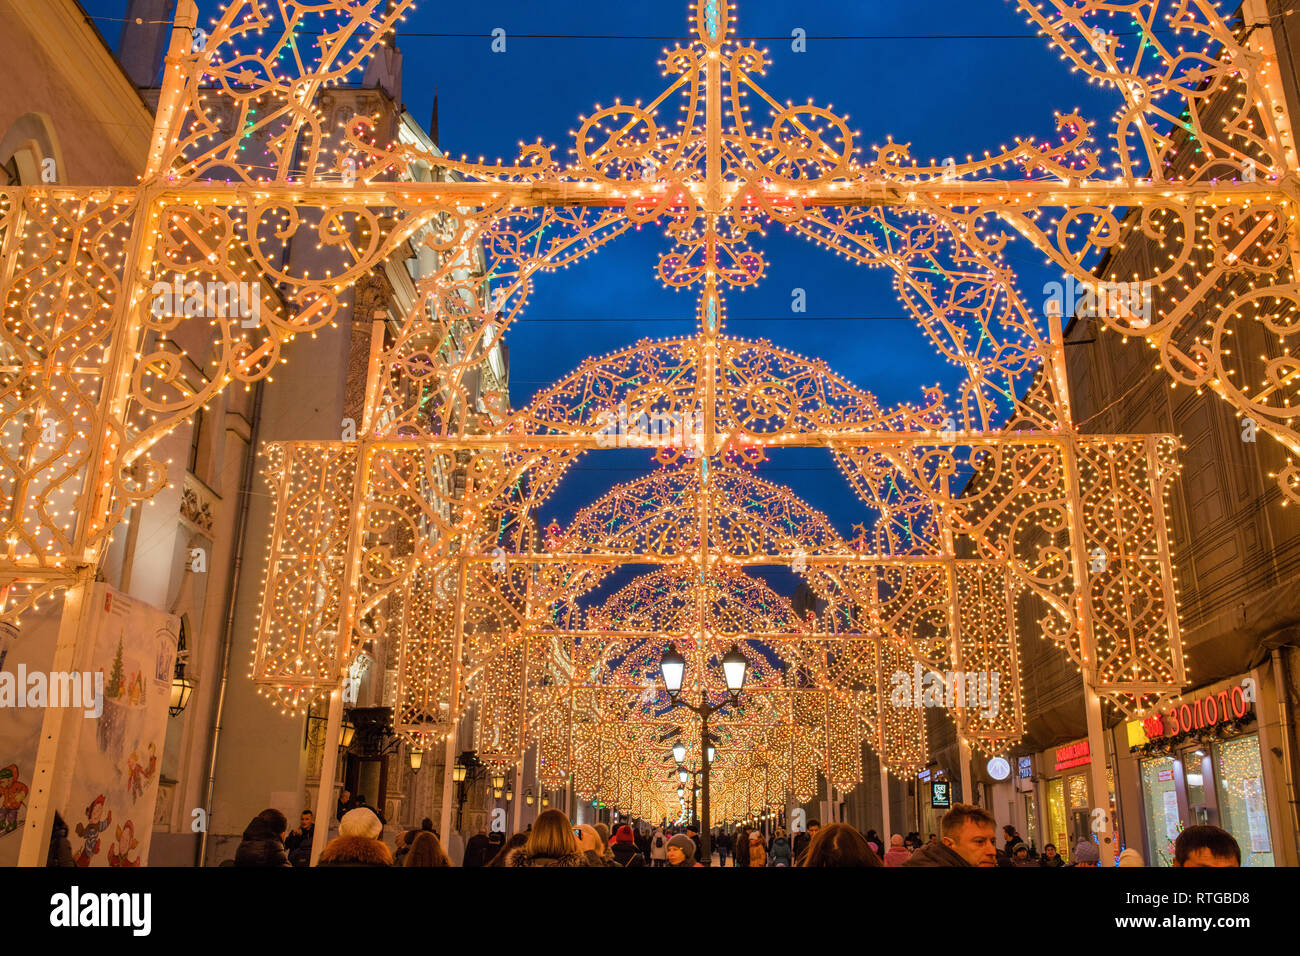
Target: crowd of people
{"x":967,"y":837}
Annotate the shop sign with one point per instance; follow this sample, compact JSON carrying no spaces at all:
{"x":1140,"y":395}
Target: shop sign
{"x":940,"y":795}
{"x":1024,"y":768}
{"x":999,"y":768}
{"x":1164,"y":775}
{"x":1074,"y":755}
{"x":1207,"y":711}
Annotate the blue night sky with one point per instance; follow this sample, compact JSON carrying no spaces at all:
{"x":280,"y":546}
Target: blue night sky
{"x":988,"y":80}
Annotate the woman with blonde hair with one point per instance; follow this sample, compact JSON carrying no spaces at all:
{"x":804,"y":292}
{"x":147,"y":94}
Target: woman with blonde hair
{"x":550,"y":843}
{"x":426,"y":851}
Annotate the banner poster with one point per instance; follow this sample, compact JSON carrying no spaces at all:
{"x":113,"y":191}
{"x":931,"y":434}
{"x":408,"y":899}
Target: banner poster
{"x":123,"y":697}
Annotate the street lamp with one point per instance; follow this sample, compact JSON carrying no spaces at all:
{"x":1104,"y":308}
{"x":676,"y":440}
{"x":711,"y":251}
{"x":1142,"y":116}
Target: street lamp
{"x":347,"y":730}
{"x":734,"y":666}
{"x":673,"y":667}
{"x":528,"y":796}
{"x":417,"y":758}
{"x":683,"y":775}
{"x":182,"y":687}
{"x":510,"y":793}
{"x":498,"y":780}
{"x":458,"y":771}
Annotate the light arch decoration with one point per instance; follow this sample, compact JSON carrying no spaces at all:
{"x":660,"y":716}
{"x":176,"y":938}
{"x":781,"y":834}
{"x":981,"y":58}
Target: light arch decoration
{"x":244,"y":159}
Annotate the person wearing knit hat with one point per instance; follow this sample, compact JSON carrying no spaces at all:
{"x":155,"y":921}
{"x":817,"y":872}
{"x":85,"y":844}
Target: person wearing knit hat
{"x":1086,"y":853}
{"x":1020,"y":856}
{"x":1131,"y":857}
{"x":681,"y":851}
{"x":625,"y":850}
{"x":358,"y":842}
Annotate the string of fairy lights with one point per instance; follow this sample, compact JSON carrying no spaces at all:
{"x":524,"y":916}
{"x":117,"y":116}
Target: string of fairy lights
{"x":988,"y":518}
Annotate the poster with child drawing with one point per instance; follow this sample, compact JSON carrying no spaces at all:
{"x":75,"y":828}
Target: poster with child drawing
{"x":109,"y":811}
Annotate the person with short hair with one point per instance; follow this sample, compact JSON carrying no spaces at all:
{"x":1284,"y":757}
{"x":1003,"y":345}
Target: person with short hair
{"x":803,"y":838}
{"x":839,"y":845}
{"x":722,"y":844}
{"x":1011,"y":838}
{"x":968,"y":838}
{"x":1206,"y":845}
{"x":298,"y":843}
{"x":1050,"y":856}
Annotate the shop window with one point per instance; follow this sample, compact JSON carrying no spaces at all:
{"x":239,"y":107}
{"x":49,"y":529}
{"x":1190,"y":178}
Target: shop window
{"x":1031,"y":820}
{"x":1057,"y":833}
{"x":1243,"y":807}
{"x":1160,"y":798}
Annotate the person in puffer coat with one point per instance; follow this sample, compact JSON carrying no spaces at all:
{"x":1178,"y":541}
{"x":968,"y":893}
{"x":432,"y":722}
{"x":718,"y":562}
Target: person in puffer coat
{"x":781,"y":853}
{"x":358,"y":842}
{"x":263,"y":841}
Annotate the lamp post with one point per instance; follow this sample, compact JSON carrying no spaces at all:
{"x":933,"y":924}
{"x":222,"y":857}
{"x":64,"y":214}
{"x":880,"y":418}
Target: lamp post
{"x":673,"y":668}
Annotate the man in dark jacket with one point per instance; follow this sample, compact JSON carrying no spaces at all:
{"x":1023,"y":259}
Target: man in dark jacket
{"x":803,"y":838}
{"x":263,"y":841}
{"x":346,"y":802}
{"x":298,"y":843}
{"x":967,"y":837}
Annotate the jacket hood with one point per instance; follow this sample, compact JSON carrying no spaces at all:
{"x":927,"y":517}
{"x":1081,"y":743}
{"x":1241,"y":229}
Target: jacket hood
{"x":356,"y":849}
